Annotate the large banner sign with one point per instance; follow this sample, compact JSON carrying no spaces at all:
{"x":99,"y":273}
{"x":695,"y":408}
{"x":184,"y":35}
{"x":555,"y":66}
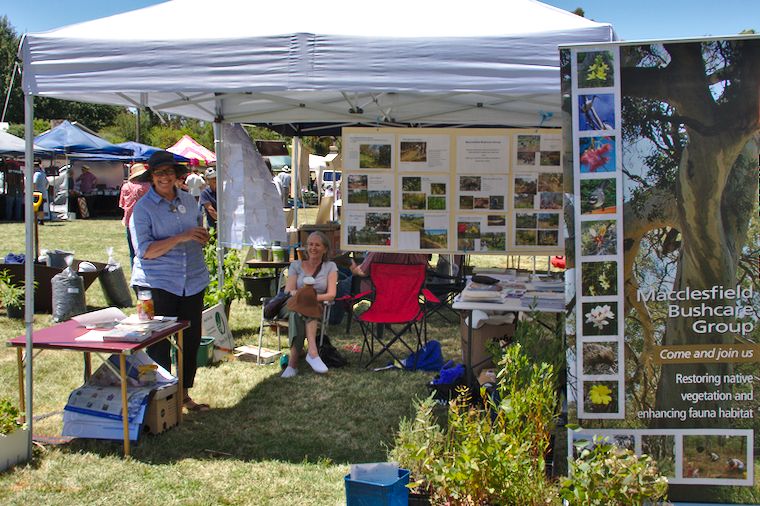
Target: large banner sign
{"x":663,"y":245}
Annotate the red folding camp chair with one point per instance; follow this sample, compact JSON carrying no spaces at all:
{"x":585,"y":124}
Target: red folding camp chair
{"x":397,"y":307}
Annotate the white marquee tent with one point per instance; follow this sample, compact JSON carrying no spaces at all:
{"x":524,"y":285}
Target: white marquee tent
{"x":304,"y":64}
{"x":487,"y":62}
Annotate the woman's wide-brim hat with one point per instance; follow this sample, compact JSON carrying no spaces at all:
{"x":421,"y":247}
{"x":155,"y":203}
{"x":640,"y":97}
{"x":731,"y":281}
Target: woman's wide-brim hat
{"x":164,"y":159}
{"x":136,"y":171}
{"x":305,"y":302}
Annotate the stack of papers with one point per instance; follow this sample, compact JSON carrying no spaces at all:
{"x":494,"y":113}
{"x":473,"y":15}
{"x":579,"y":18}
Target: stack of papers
{"x":481,"y":292}
{"x":133,"y":330}
{"x":543,"y":300}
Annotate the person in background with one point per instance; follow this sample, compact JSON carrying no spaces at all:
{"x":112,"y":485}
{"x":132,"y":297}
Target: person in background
{"x":132,"y":190}
{"x":168,"y":240}
{"x":195,"y":183}
{"x":87,"y":180}
{"x":285,"y":179}
{"x":325,"y":274}
{"x":40,"y":182}
{"x":208,"y":198}
{"x":275,"y":180}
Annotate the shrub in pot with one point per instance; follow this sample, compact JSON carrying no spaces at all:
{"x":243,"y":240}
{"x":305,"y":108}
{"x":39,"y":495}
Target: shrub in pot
{"x":488,"y":453}
{"x":258,"y":283}
{"x":11,"y":296}
{"x":13,"y":436}
{"x":232,"y":287}
{"x":606,"y":474}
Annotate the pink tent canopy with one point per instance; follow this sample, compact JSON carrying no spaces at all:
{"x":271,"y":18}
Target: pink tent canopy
{"x":190,"y":148}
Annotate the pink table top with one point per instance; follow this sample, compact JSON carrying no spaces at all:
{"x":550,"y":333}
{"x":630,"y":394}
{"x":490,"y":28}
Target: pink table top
{"x":63,"y":337}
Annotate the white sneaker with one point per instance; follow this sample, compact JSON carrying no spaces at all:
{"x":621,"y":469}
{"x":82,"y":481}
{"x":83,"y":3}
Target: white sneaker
{"x":316,"y":364}
{"x":289,"y":372}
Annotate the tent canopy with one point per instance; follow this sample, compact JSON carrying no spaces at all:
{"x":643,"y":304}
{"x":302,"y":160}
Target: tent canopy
{"x":488,"y":62}
{"x":12,"y":145}
{"x":191,"y":149}
{"x":141,"y":152}
{"x":70,"y":139}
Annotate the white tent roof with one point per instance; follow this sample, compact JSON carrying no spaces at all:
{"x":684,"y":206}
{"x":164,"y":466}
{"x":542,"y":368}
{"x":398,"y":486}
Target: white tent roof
{"x":484,"y":62}
{"x":12,"y":145}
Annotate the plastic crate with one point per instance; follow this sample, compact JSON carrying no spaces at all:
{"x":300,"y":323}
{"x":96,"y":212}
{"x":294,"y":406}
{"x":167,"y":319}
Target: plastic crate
{"x":362,"y":493}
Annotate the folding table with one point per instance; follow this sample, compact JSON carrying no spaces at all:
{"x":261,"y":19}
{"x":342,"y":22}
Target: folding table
{"x":63,"y":336}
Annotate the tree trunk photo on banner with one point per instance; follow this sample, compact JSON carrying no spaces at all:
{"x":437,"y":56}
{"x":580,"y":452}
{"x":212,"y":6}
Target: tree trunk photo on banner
{"x":698,"y":105}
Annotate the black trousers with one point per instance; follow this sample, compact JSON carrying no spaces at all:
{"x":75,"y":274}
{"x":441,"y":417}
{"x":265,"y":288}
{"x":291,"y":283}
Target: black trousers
{"x":184,"y":307}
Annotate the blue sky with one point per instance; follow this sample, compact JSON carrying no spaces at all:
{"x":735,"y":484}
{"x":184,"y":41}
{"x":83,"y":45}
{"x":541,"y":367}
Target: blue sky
{"x":632,"y":19}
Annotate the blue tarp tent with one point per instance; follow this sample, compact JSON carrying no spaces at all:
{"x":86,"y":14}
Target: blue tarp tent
{"x":67,"y":138}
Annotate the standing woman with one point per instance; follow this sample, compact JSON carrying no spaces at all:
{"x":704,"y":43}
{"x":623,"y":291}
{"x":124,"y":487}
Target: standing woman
{"x":168,"y":239}
{"x":131,"y":191}
{"x":325,"y":274}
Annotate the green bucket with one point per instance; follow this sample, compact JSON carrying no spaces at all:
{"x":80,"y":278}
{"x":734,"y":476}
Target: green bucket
{"x":206,"y":351}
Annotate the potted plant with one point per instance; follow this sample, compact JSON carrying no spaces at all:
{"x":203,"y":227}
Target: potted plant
{"x":258,"y":283}
{"x":607,"y":474}
{"x":11,"y":295}
{"x":232,"y":288}
{"x":488,"y":452}
{"x":13,"y":436}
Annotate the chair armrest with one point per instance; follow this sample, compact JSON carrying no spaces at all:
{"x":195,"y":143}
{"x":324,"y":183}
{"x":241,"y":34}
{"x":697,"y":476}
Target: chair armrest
{"x":358,"y":296}
{"x":429,"y":296}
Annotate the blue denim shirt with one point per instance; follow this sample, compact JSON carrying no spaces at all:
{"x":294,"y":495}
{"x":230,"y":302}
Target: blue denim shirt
{"x":182,"y":270}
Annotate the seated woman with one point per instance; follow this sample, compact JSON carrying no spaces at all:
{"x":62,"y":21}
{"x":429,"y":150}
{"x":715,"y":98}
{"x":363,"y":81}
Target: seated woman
{"x":325,"y":274}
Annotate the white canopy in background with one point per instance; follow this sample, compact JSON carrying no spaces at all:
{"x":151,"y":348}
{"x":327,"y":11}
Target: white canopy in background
{"x":483,"y":62}
{"x":12,"y":145}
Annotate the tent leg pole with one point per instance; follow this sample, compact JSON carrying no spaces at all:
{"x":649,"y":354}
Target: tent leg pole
{"x":294,"y":181}
{"x":29,"y":218}
{"x":220,"y":174}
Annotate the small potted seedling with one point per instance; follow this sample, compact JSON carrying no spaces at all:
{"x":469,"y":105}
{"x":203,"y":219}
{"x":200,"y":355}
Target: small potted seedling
{"x":11,"y":296}
{"x":13,"y":436}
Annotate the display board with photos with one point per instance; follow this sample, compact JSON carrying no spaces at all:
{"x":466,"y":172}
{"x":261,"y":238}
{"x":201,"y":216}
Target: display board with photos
{"x":664,"y":294}
{"x":445,"y":190}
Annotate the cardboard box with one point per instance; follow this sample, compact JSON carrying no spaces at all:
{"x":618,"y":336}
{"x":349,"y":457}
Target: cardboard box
{"x":162,"y":410}
{"x":481,"y":358}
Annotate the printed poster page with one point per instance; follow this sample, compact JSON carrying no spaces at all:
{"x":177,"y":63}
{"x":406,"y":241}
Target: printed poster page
{"x":425,"y":193}
{"x":424,"y":153}
{"x":481,"y":192}
{"x":423,"y":231}
{"x":537,"y":229}
{"x":537,"y":190}
{"x":369,"y":151}
{"x":364,"y":229}
{"x":482,"y":233}
{"x":369,"y":190}
{"x":537,"y":150}
{"x":482,"y":154}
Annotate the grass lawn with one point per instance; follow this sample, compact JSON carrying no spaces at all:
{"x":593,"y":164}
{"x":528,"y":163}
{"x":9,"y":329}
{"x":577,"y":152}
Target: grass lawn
{"x":265,"y":440}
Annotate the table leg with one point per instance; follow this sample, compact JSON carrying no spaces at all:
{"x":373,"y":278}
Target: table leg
{"x":180,"y":378}
{"x":20,"y":365}
{"x":87,"y":365}
{"x":124,"y":402}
